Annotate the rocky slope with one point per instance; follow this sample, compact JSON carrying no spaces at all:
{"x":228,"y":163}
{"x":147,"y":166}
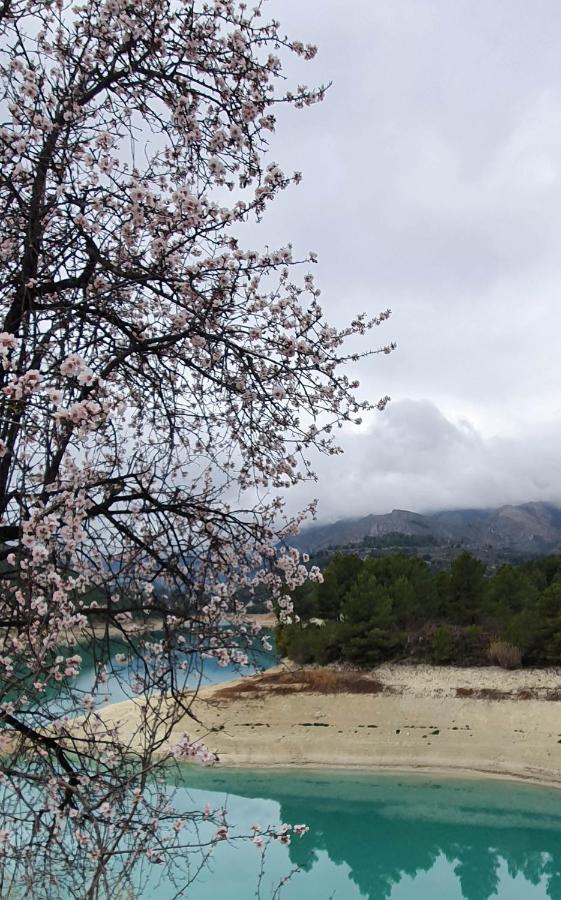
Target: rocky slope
{"x":528,"y":529}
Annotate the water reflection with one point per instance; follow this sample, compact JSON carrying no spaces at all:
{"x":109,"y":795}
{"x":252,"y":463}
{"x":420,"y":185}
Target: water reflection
{"x":399,"y":837}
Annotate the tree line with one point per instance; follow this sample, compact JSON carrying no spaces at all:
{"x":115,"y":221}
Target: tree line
{"x":366,"y":611}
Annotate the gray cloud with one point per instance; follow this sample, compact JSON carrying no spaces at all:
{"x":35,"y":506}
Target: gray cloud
{"x":416,"y":458}
{"x":432,"y":184}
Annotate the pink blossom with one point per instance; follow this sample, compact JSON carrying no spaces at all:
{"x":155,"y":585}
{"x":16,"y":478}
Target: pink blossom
{"x":185,"y":749}
{"x":72,"y":365}
{"x":7,"y":342}
{"x":24,"y":385}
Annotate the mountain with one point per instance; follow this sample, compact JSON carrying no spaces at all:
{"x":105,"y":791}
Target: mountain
{"x":531,"y":529}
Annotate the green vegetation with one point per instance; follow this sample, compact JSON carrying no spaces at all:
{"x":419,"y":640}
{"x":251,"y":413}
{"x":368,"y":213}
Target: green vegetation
{"x":399,"y":539}
{"x":396,"y":607}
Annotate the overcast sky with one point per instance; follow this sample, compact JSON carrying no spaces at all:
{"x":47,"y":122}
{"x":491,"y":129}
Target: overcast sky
{"x":432,"y":185}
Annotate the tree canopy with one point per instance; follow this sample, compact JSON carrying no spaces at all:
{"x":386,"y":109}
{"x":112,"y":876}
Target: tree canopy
{"x":398,"y":607}
{"x":160,"y":384}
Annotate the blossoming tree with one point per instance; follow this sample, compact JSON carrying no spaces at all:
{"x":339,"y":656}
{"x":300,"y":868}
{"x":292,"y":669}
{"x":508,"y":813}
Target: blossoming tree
{"x":159,"y":385}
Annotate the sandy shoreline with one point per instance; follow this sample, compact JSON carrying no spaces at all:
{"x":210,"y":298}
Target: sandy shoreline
{"x":411,"y":720}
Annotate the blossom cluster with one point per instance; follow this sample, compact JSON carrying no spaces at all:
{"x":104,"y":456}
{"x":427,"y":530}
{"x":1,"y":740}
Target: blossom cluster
{"x":185,"y":749}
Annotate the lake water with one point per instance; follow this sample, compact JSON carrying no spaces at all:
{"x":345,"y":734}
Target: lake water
{"x":403,"y":837}
{"x":121,"y":675}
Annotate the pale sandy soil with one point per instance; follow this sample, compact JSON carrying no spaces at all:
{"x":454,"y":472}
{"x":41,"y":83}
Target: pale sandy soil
{"x":443,"y":681}
{"x":265,"y":620}
{"x":415,"y":720}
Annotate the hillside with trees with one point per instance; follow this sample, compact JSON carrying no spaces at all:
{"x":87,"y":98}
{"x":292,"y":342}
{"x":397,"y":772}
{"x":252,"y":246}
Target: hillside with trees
{"x":366,"y":611}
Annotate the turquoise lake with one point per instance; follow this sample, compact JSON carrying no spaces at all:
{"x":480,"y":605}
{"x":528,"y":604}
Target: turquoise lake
{"x":120,"y":675}
{"x":404,"y":837}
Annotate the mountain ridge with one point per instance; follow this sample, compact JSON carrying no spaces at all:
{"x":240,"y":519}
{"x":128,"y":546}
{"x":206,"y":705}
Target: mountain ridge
{"x":528,"y":528}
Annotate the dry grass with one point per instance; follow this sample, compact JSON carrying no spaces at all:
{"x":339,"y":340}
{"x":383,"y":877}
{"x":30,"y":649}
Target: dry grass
{"x":551,"y":695}
{"x":505,"y":654}
{"x":333,"y":681}
{"x":311,"y":681}
{"x":484,"y":693}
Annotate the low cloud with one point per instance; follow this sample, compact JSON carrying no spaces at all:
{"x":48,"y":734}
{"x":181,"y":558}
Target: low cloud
{"x":414,"y":457}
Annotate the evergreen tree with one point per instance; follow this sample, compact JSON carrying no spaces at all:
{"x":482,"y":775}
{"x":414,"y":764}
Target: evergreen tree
{"x":370,"y":624}
{"x":466,"y":589}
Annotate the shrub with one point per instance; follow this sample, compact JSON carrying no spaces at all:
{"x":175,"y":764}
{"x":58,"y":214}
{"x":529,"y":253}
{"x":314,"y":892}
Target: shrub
{"x":308,"y":644}
{"x":505,"y":654}
{"x":365,"y":646}
{"x":552,"y":646}
{"x":528,"y":631}
{"x":443,"y":646}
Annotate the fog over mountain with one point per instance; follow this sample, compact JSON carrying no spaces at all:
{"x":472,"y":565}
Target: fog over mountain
{"x":413,"y":457}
